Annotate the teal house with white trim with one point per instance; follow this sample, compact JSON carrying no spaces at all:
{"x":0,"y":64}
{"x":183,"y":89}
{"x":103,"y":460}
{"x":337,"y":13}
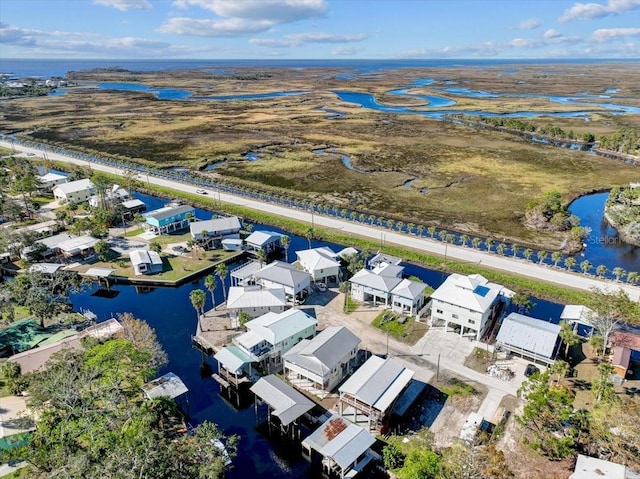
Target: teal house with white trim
{"x":170,"y":218}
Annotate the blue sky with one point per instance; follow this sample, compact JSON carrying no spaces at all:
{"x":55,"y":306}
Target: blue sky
{"x":312,"y":29}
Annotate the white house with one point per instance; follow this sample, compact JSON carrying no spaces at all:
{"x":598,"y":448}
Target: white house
{"x":322,"y":362}
{"x":408,"y":297}
{"x":376,"y":285}
{"x":78,"y":246}
{"x":74,"y":191}
{"x":263,"y":240}
{"x":255,"y":301}
{"x":278,"y":274}
{"x":467,"y":303}
{"x":145,"y":262}
{"x":321,"y":263}
{"x":271,"y":335}
{"x":369,"y":394}
{"x":343,"y":447}
{"x":216,"y":228}
{"x":49,"y":180}
{"x":116,"y":194}
{"x":579,"y":316}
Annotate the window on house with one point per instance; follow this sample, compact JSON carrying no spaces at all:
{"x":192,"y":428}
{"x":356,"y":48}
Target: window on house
{"x":454,"y":316}
{"x":471,"y":321}
{"x":439,"y":311}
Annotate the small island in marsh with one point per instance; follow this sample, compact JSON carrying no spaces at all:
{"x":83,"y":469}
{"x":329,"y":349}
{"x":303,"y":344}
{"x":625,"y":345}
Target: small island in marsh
{"x":622,"y":211}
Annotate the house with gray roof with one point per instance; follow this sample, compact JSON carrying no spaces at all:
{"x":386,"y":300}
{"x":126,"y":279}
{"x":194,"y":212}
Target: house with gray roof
{"x":375,"y":285}
{"x":50,"y":180}
{"x":255,"y":301}
{"x":267,"y":338}
{"x":408,"y":297}
{"x":268,"y":241}
{"x":145,"y":262}
{"x":279,"y":274}
{"x":283,"y":401}
{"x":172,"y":217}
{"x":369,"y":394}
{"x":343,"y":447}
{"x":321,"y":263}
{"x":529,"y":337}
{"x":74,"y":191}
{"x":467,"y":303}
{"x":216,"y":228}
{"x":323,"y":362}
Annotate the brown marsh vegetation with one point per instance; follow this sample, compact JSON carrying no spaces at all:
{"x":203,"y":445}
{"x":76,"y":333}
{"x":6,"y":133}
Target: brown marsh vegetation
{"x":477,"y":181}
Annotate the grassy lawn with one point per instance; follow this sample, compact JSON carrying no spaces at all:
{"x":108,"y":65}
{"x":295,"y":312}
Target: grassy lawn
{"x":479,"y":360}
{"x":404,"y":329}
{"x":456,"y":387}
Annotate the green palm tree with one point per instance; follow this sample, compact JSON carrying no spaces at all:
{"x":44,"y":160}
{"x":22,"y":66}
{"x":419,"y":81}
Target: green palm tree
{"x":410,"y":227}
{"x":442,"y":234}
{"x":198,"y":299}
{"x":527,"y":253}
{"x":372,"y":218}
{"x":570,"y":262}
{"x":309,"y":235}
{"x":399,"y":225}
{"x":261,"y":254}
{"x":601,"y":270}
{"x":475,"y":242}
{"x":390,"y":224}
{"x":501,"y":248}
{"x":285,"y":241}
{"x":464,"y":239}
{"x":488,"y":243}
{"x":514,"y":250}
{"x":431,"y":230}
{"x":420,"y":230}
{"x":618,"y":272}
{"x":586,"y":266}
{"x":556,"y":256}
{"x":542,"y":255}
{"x":222,"y":271}
{"x":210,"y":283}
{"x":633,"y":277}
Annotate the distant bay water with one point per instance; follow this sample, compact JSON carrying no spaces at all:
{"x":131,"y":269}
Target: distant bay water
{"x":45,"y":68}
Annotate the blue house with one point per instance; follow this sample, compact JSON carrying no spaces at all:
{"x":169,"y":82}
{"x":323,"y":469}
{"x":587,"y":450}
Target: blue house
{"x":172,"y":217}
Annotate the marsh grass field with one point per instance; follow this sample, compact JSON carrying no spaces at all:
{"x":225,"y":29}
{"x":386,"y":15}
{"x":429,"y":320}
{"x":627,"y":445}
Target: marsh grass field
{"x":474,"y":181}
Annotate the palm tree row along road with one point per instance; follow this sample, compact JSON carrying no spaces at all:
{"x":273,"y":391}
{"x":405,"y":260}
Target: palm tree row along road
{"x":491,"y":260}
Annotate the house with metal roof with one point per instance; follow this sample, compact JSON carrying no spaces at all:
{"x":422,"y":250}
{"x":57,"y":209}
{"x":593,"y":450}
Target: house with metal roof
{"x":529,"y":337}
{"x":321,"y":263}
{"x":74,"y":191}
{"x":116,"y":194}
{"x":369,"y":394}
{"x":468,"y":303}
{"x":78,"y":246}
{"x":216,"y":228}
{"x":375,"y":285}
{"x":279,"y":274}
{"x":255,"y":301}
{"x":45,"y":268}
{"x":50,"y":180}
{"x":145,"y":262}
{"x":172,"y":217}
{"x":283,"y":402}
{"x":343,"y":447}
{"x":320,"y":364}
{"x":267,"y":338}
{"x":48,"y":246}
{"x":243,"y":274}
{"x":131,"y":207}
{"x":268,"y":241}
{"x":593,"y":468}
{"x":408,"y":297}
{"x":579,"y":316}
{"x":168,"y":385}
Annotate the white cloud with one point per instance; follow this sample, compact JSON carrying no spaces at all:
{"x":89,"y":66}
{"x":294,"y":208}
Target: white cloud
{"x":298,"y":39}
{"x":345,"y":51}
{"x":229,"y":27}
{"x":245,"y":17}
{"x":125,"y":5}
{"x":607,"y":34}
{"x":589,"y":11}
{"x":551,"y":33}
{"x":529,"y":24}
